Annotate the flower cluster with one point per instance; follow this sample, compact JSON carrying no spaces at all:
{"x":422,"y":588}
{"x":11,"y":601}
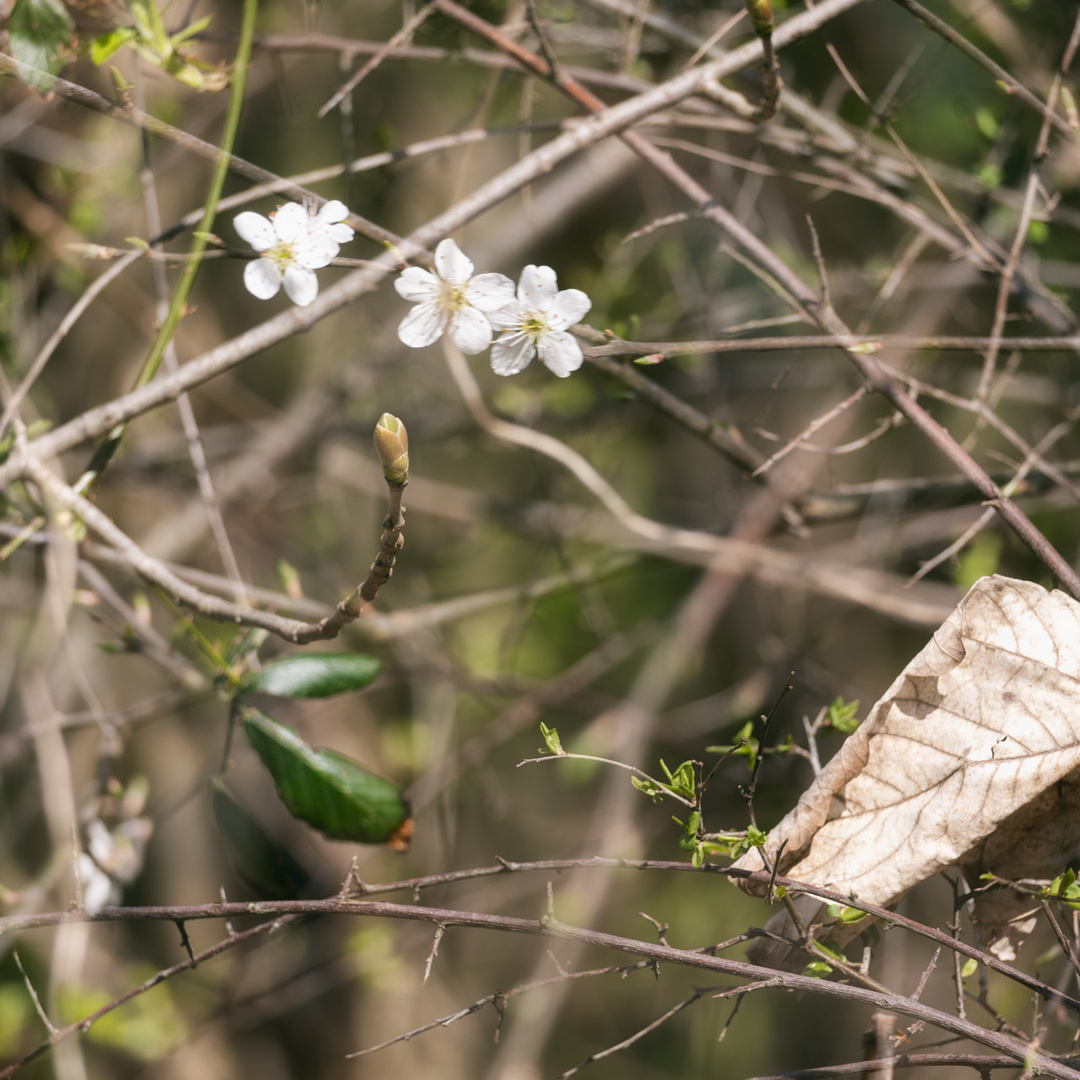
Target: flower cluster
{"x":292,"y":243}
{"x":470,"y":309}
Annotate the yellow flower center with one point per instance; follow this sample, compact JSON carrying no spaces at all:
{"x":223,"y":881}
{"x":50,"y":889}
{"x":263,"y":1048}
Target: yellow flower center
{"x":281,"y":254}
{"x":452,"y":297}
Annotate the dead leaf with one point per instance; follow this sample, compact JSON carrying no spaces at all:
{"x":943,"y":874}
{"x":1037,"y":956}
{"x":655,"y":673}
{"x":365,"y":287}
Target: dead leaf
{"x":969,"y":758}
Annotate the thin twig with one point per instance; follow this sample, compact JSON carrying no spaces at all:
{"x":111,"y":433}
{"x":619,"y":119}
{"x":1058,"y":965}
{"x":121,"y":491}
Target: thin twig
{"x":932,"y":22}
{"x":403,"y":36}
{"x":640,"y":1034}
{"x":214,"y":607}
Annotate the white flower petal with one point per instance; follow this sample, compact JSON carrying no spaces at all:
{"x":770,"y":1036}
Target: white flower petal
{"x":98,"y":890}
{"x":560,"y":353}
{"x":422,"y":326}
{"x":255,"y":230}
{"x":331,"y":213}
{"x":417,"y":284}
{"x":100,"y":842}
{"x":340,"y":234}
{"x":511,"y":353}
{"x":452,"y":264}
{"x":262,"y":278}
{"x":469,"y":330}
{"x":569,"y":307}
{"x":301,"y":286}
{"x":290,"y":222}
{"x":537,"y":287}
{"x":508,"y":316}
{"x":489,"y":291}
{"x":315,"y":252}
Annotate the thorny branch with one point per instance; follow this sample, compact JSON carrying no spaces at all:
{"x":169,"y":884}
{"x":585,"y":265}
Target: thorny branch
{"x":549,"y":926}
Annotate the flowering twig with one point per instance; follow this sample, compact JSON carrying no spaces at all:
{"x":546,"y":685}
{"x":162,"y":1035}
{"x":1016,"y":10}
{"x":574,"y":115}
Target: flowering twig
{"x":105,"y":452}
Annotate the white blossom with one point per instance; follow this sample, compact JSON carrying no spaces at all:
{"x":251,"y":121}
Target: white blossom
{"x":451,"y":301}
{"x":293,"y":243}
{"x":536,"y":323}
{"x":98,"y":889}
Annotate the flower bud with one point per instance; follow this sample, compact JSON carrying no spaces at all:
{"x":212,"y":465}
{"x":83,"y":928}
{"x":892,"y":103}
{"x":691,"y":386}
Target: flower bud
{"x":392,"y":446}
{"x":761,"y":14}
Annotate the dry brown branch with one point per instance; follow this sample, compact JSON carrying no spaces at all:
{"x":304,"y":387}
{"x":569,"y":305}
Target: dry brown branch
{"x":214,"y":607}
{"x":551,"y":927}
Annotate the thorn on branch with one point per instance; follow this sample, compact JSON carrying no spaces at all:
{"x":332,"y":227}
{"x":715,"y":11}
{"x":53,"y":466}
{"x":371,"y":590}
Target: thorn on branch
{"x":548,"y":918}
{"x":499,"y":1001}
{"x":439,"y":931}
{"x":185,"y":941}
{"x":229,"y":928}
{"x":661,"y":928}
{"x":353,"y":886}
{"x":563,"y":973}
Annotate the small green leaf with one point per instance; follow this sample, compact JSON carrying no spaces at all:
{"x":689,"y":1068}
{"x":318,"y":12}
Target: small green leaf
{"x":140,"y":12}
{"x":682,"y":780}
{"x":551,"y":740}
{"x":313,"y":675}
{"x":744,"y":743}
{"x":817,"y":970}
{"x":756,"y":837}
{"x":196,"y":27}
{"x":40,"y":32}
{"x":697,"y":860}
{"x":327,"y":789}
{"x":103,"y":46}
{"x":846,"y":914}
{"x":120,"y":83}
{"x":262,"y":864}
{"x":842,"y":715}
{"x":649,"y":787}
{"x":1065,"y":887}
{"x":1062,"y":882}
{"x":971,"y":965}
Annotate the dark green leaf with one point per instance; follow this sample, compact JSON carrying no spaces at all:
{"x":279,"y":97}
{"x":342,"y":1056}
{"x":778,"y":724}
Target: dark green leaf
{"x":327,"y":789}
{"x":40,"y":33}
{"x":314,"y":675}
{"x":264,"y":865}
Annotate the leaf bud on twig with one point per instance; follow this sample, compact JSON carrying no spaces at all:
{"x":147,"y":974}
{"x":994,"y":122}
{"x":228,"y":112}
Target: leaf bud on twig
{"x":761,"y":14}
{"x":392,"y":446}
